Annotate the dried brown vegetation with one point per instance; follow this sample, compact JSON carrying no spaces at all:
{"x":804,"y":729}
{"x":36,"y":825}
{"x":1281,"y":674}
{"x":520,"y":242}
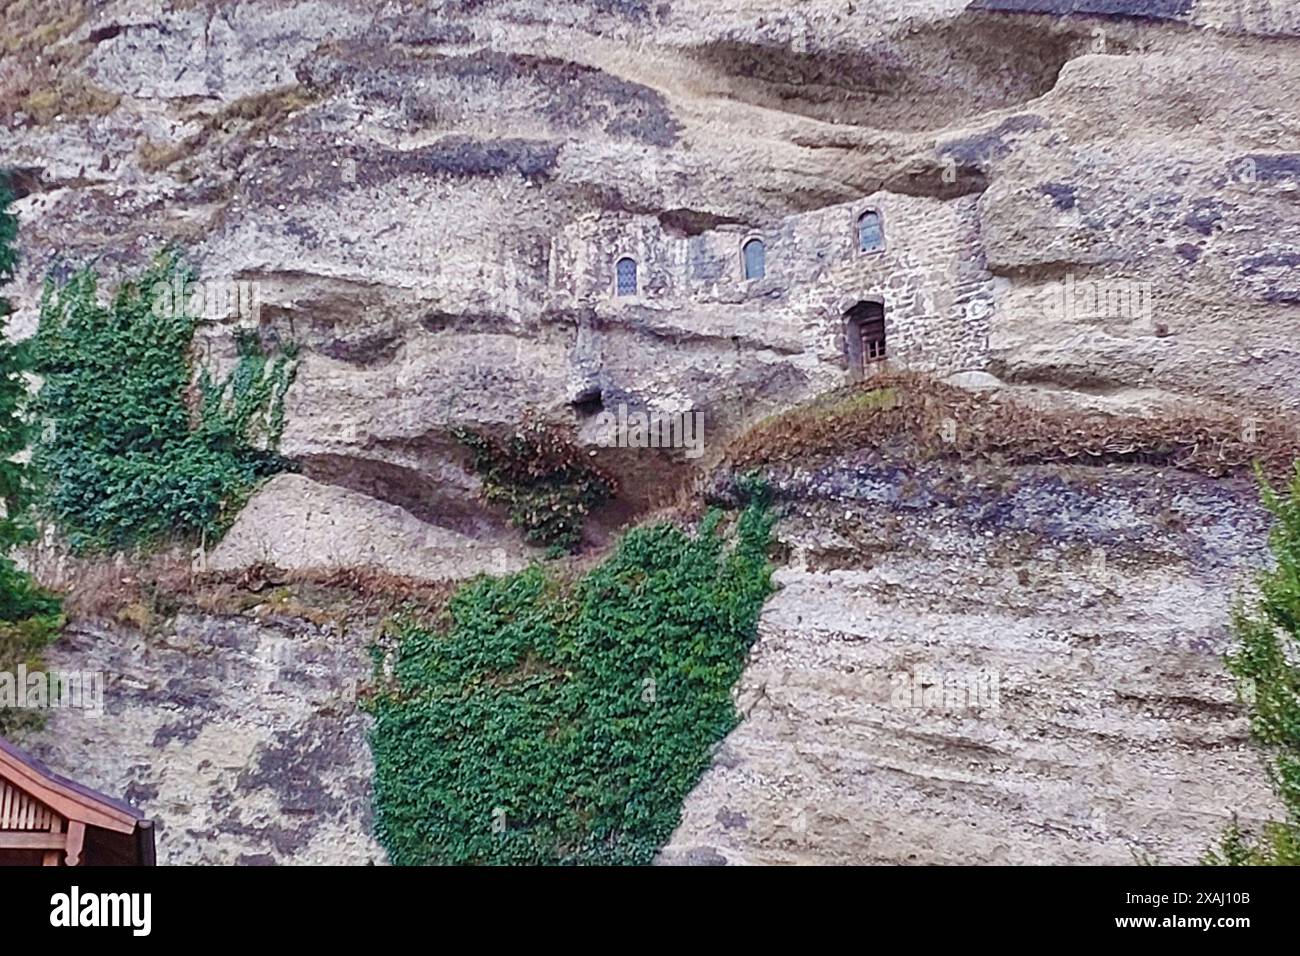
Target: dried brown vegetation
{"x":915,"y":417}
{"x":38,"y":75}
{"x":323,"y":596}
{"x":31,"y":26}
{"x":250,"y":118}
{"x":152,"y":589}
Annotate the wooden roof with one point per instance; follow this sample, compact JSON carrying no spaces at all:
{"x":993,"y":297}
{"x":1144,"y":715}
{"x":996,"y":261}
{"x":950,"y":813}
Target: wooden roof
{"x":40,"y":810}
{"x":68,"y":799}
{"x":50,"y":820}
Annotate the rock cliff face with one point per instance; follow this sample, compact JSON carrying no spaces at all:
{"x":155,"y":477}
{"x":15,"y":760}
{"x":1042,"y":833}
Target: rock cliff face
{"x":1018,"y":666}
{"x":239,"y":734}
{"x":1093,"y":199}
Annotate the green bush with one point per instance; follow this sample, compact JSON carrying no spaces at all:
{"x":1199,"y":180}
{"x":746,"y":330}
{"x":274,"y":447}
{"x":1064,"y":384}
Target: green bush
{"x":553,"y":724}
{"x":1267,"y":661}
{"x":133,"y":452}
{"x":29,"y":616}
{"x":544,"y":480}
{"x":21,"y":642}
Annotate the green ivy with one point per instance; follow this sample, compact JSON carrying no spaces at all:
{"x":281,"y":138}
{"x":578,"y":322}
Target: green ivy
{"x":544,"y":480}
{"x":134,"y":452}
{"x":552,"y":724}
{"x":1267,"y":661}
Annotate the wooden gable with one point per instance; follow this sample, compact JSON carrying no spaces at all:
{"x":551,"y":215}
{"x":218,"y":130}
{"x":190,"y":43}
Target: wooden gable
{"x":48,"y":819}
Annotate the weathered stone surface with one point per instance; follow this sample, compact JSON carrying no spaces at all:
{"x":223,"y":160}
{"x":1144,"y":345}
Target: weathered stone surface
{"x":294,"y":523}
{"x":241,"y":737}
{"x":471,"y":163}
{"x":974,"y":380}
{"x":466,"y":161}
{"x":1076,"y":624}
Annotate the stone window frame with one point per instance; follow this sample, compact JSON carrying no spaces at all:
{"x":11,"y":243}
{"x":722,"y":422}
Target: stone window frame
{"x":745,"y":241}
{"x":619,"y":256}
{"x":857,"y":235}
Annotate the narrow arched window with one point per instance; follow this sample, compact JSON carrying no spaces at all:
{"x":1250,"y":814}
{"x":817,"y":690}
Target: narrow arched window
{"x":625,"y":276}
{"x":871,"y":234}
{"x":755,"y":256}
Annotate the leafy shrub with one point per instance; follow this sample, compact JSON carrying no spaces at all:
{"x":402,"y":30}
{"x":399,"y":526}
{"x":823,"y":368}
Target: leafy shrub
{"x":21,"y":642}
{"x":1267,"y":661}
{"x":554,"y":724}
{"x":543,"y":479}
{"x":134,"y":454}
{"x":29,"y":616}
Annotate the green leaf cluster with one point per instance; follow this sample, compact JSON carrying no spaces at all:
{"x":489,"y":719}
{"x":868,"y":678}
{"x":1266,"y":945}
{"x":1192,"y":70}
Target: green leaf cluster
{"x":542,"y":478}
{"x":137,"y":447}
{"x":1267,"y":661}
{"x":554,"y":724}
{"x":29,"y":616}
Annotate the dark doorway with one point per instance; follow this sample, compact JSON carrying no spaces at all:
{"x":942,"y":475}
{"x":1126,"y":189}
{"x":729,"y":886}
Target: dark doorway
{"x":864,"y":335}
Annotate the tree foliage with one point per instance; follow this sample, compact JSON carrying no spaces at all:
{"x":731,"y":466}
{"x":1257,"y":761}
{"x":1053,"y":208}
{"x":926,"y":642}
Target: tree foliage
{"x":29,"y":616}
{"x":553,"y":724}
{"x":1267,"y":661}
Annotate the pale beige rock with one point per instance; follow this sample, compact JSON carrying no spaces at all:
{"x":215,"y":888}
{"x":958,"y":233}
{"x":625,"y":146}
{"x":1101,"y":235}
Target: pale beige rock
{"x":241,"y":737}
{"x":926,"y":690}
{"x":295,"y":523}
{"x":976,"y":381}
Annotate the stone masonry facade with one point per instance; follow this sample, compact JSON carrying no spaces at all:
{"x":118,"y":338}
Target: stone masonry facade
{"x":929,"y":274}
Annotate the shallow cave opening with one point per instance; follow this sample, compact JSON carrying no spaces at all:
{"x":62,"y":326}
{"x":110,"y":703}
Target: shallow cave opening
{"x":685,"y":223}
{"x":590,"y":401}
{"x":24,"y":180}
{"x":927,"y":76}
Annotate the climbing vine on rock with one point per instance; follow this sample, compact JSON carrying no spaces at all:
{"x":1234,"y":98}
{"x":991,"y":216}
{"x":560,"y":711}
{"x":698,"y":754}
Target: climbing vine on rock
{"x":544,"y":480}
{"x":554,"y":724}
{"x":136,"y":451}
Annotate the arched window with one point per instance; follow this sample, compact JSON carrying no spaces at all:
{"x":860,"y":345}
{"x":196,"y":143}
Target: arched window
{"x":755,"y":256}
{"x":625,"y":276}
{"x":871,"y":233}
